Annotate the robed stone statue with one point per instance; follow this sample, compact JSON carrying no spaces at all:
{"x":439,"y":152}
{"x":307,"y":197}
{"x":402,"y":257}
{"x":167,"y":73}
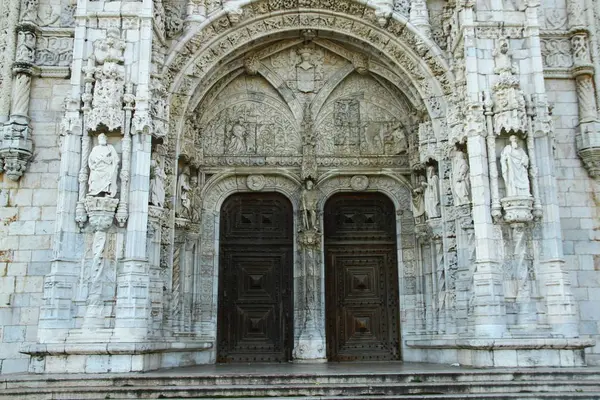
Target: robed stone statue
{"x":515,"y":162}
{"x":104,"y":165}
{"x":461,"y":182}
{"x":157,"y":182}
{"x":432,"y":193}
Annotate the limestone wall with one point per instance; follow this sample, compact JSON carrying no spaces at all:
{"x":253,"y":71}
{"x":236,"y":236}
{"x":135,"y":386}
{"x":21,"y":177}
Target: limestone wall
{"x":579,"y":198}
{"x":27,"y":214}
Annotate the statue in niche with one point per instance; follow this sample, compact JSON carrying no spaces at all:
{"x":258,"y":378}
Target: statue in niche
{"x":237,"y":138}
{"x":195,"y":201}
{"x":157,"y":182}
{"x":418,"y":198}
{"x":503,"y":59}
{"x":184,"y":201}
{"x":104,"y":164}
{"x":305,"y":70}
{"x":461,"y":181}
{"x":515,"y":163}
{"x":432,"y":193}
{"x":309,"y":207}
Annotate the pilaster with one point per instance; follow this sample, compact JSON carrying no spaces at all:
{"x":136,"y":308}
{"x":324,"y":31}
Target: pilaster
{"x":487,"y":302}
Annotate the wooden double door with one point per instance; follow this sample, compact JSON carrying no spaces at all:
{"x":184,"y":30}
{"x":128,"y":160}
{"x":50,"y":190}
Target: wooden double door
{"x":255,"y":321}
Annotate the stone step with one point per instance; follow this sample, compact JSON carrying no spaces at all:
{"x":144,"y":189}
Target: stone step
{"x":182,"y":379}
{"x":268,"y":390}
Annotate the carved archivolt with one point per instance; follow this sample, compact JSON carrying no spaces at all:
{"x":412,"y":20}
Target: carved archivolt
{"x":401,"y":46}
{"x":396,"y":188}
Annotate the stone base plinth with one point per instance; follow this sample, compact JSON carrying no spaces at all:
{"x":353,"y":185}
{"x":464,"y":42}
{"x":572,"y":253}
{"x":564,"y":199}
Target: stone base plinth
{"x":309,"y":350}
{"x":115,"y":357}
{"x":530,"y":352}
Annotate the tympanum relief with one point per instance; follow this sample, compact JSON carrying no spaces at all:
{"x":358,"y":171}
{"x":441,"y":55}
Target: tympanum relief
{"x":260,"y":116}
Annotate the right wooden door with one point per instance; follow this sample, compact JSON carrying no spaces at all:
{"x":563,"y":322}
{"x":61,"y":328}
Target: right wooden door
{"x":361,"y":271}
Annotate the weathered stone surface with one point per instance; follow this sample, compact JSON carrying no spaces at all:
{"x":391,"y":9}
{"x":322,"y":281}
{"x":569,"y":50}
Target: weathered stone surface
{"x":479,"y":123}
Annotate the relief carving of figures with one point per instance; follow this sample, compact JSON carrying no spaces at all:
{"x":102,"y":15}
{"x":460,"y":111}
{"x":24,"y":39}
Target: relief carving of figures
{"x":310,"y":199}
{"x":94,"y":316}
{"x":107,"y":101}
{"x":25,"y":47}
{"x":461,"y":181}
{"x":29,"y":10}
{"x":509,"y":101}
{"x":503,"y":59}
{"x":251,"y":129}
{"x":432,"y":193}
{"x":515,"y":163}
{"x":237,"y":139}
{"x":157,"y":181}
{"x":184,"y":201}
{"x":104,"y":165}
{"x":581,"y":51}
{"x":47,"y":16}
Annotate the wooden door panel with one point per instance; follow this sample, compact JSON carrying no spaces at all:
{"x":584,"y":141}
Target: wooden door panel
{"x":255,"y":297}
{"x":362,"y":285}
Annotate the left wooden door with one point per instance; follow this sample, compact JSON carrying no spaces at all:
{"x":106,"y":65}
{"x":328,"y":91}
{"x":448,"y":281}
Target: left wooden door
{"x":255,"y":279}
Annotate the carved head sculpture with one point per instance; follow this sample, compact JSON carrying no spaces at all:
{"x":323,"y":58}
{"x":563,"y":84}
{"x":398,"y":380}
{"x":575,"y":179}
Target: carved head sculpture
{"x":513,"y":141}
{"x":102,"y":139}
{"x":430,"y":171}
{"x":309,"y":184}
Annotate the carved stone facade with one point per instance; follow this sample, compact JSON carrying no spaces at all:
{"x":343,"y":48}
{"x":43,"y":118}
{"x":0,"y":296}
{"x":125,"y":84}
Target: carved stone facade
{"x":124,"y":134}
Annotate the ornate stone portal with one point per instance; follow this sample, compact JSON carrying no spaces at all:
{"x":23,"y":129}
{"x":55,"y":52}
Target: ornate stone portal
{"x":344,"y":97}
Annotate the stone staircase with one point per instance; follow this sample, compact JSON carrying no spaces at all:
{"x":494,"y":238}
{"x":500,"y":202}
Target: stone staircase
{"x":274,"y":381}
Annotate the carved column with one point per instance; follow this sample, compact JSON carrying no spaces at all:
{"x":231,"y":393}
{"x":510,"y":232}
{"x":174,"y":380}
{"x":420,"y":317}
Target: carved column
{"x":419,"y":16}
{"x":588,"y":137}
{"x":122,"y":210}
{"x":133,"y":281}
{"x":16,"y":148}
{"x":8,"y":23}
{"x":310,"y":342}
{"x":491,"y":149}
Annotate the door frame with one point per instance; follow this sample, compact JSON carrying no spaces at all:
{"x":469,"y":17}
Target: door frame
{"x":206,"y":276}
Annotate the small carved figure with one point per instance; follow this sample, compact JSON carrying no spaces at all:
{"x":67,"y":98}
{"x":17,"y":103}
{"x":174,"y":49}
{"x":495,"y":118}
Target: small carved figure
{"x":503,"y":59}
{"x":432,"y":193}
{"x":515,"y":163}
{"x":418,"y":201}
{"x":237,"y":139}
{"x":157,"y":182}
{"x":184,"y":202}
{"x":309,"y":206}
{"x":460,"y":179}
{"x":104,"y":164}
